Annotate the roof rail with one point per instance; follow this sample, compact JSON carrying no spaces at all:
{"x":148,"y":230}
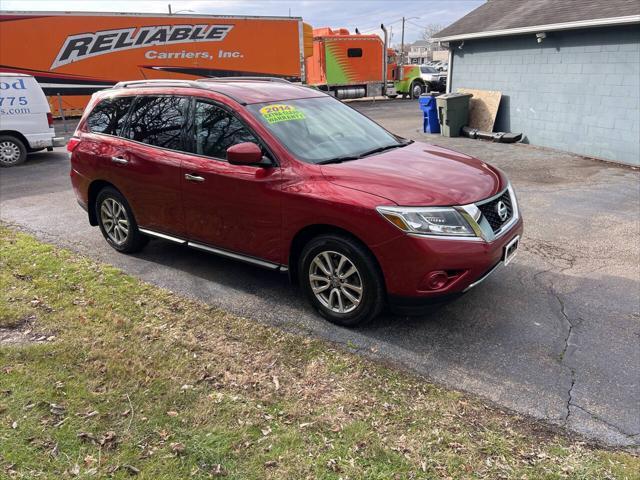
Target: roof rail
{"x":158,"y":83}
{"x":174,"y":83}
{"x":247,"y":78}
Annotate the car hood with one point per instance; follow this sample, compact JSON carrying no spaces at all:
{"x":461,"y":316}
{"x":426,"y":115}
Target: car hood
{"x":419,"y":175}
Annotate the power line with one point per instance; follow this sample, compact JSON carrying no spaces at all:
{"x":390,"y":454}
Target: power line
{"x":416,"y":25}
{"x":378,"y":28}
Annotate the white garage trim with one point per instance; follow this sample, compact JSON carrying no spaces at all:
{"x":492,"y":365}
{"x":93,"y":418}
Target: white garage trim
{"x":597,"y":22}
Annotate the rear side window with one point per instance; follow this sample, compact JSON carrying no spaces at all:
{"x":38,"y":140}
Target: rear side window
{"x":354,"y":52}
{"x":109,"y":115}
{"x":216,"y":130}
{"x":158,"y":121}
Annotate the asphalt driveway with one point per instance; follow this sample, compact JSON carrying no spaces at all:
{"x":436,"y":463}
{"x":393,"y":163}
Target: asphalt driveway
{"x":554,"y":335}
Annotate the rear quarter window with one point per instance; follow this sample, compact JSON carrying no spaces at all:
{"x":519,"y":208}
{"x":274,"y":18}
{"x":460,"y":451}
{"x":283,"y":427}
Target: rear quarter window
{"x":109,"y":116}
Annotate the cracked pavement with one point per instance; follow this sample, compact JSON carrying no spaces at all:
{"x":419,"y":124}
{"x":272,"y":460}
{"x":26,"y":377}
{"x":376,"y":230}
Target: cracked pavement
{"x":555,"y":335}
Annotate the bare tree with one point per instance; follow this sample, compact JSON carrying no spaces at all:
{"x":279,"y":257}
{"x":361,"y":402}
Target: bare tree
{"x":429,"y":31}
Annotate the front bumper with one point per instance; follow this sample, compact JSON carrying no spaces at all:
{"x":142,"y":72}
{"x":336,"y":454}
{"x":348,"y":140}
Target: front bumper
{"x":403,"y":273}
{"x":406,"y":259}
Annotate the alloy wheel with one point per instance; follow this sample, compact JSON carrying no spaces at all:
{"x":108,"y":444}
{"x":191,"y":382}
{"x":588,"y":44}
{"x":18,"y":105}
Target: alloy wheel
{"x":9,"y":152}
{"x":114,"y":220}
{"x":335,"y":281}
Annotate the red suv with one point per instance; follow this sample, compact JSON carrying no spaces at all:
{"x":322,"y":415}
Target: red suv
{"x":288,"y":178}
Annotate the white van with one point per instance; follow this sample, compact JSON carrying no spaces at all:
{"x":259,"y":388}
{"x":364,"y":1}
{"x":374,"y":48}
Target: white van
{"x":26,"y":124}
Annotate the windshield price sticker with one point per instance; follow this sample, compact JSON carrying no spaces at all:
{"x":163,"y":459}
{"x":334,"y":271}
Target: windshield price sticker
{"x":281,"y":113}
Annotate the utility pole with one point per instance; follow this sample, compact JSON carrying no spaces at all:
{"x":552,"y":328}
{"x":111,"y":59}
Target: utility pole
{"x":169,"y":9}
{"x":401,"y":44}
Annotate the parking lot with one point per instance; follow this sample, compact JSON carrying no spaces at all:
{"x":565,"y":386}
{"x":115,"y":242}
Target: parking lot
{"x":554,"y":335}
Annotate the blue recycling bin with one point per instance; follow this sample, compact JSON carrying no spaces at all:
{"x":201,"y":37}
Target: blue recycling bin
{"x":430,"y":111}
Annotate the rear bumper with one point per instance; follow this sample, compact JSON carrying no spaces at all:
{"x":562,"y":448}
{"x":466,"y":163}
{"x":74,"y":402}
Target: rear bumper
{"x":43,"y":140}
{"x":80,"y":185}
{"x":58,"y":142}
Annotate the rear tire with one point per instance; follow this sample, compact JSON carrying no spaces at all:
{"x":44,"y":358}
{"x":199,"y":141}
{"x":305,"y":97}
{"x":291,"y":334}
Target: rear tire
{"x":12,"y":151}
{"x":341,"y":280}
{"x":117,"y":223}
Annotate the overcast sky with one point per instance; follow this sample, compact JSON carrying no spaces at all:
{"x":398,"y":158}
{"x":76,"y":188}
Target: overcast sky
{"x":364,"y":14}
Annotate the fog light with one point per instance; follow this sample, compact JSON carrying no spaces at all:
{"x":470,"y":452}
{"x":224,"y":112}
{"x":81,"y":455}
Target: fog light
{"x":436,"y":280}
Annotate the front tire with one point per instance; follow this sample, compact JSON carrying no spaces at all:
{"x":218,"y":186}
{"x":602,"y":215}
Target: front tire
{"x":416,"y":89}
{"x":117,"y":223}
{"x":341,"y":280}
{"x":12,"y":151}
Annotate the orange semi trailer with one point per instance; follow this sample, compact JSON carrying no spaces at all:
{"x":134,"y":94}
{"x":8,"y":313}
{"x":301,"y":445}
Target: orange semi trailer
{"x":75,"y":54}
{"x":347,"y":65}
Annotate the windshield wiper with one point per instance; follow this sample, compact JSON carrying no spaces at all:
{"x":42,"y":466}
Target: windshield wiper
{"x":346,"y":158}
{"x":339,"y":159}
{"x":382,"y":149}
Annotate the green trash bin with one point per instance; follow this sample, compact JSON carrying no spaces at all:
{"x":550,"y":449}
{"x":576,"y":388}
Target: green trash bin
{"x":453,"y":112}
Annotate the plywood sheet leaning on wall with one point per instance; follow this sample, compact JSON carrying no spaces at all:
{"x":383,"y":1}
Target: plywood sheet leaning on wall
{"x":483,"y":108}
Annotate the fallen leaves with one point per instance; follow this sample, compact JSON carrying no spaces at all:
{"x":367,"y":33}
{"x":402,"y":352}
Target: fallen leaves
{"x":332,"y":464}
{"x":218,"y":471}
{"x":87,"y":414}
{"x":57,"y":410}
{"x":177,"y":447}
{"x":108,"y":441}
{"x":39,"y":303}
{"x":257,"y":390}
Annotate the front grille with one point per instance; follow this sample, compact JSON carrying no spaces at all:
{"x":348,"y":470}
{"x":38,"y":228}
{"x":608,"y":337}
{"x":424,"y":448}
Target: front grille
{"x":490,"y":210}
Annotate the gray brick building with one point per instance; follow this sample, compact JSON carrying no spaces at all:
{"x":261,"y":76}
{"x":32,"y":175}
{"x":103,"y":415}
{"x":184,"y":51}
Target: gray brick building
{"x":569,"y":71}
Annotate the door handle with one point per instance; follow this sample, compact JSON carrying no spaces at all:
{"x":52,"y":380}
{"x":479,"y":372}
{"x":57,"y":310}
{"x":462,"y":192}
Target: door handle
{"x":193,"y":178}
{"x":120,"y":160}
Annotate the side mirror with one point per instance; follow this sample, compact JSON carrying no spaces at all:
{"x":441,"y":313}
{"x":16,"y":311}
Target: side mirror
{"x":246,"y":153}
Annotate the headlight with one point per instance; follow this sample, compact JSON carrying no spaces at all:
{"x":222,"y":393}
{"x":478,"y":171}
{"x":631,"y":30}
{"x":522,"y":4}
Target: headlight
{"x":430,"y":220}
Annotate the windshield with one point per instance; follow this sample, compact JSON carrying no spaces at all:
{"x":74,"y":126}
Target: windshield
{"x":322,"y":129}
{"x":428,"y":70}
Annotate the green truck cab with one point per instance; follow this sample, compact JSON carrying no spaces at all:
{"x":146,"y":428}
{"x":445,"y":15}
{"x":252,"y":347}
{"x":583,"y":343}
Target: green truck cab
{"x":414,"y":80}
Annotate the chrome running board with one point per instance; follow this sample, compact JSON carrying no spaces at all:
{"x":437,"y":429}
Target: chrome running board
{"x":217,"y":251}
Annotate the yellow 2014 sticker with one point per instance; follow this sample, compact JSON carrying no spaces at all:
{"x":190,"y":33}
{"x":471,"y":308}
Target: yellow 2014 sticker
{"x":281,"y":113}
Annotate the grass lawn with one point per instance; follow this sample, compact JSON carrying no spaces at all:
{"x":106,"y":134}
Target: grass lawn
{"x":104,"y":376}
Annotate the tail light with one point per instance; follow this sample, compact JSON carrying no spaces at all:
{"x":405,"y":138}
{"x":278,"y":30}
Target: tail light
{"x":50,"y":119}
{"x":72,"y":144}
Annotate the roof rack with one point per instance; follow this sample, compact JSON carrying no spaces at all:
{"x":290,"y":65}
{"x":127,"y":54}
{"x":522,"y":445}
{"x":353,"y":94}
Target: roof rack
{"x":173,"y":83}
{"x":158,"y":83}
{"x":240,"y":79}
